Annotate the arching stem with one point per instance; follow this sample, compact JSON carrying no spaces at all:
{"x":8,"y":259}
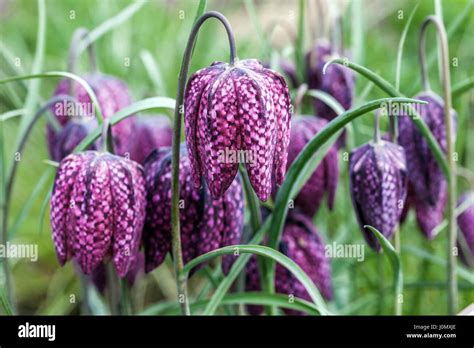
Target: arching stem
{"x":179,"y":110}
{"x":377,"y":136}
{"x":446,"y":82}
{"x":73,"y":55}
{"x":8,"y":192}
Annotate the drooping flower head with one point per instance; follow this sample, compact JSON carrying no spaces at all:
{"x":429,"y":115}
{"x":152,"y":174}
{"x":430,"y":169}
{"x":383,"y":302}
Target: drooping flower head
{"x":424,"y":173}
{"x":150,"y":133}
{"x":206,"y":223}
{"x":377,"y":173}
{"x":325,"y":178}
{"x":301,"y":242}
{"x":98,"y":210}
{"x":112,"y":95}
{"x":234,"y":112}
{"x":338,"y":81}
{"x":466,"y":227}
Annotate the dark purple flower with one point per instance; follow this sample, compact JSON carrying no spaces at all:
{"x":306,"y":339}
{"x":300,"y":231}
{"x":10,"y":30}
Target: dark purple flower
{"x":301,"y":242}
{"x":466,"y":227}
{"x":429,"y":216}
{"x":423,"y":171}
{"x":98,"y":209}
{"x":338,"y":80}
{"x":378,"y":185}
{"x":150,"y":133}
{"x":289,"y":70}
{"x":112,"y":95}
{"x":206,"y":223}
{"x":325,"y":177}
{"x":70,"y":136}
{"x":233,"y":112}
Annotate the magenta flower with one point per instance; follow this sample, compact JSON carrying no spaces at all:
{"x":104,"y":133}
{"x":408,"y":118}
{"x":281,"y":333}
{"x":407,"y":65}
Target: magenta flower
{"x":338,"y":80}
{"x":424,"y":173}
{"x":377,"y":173}
{"x":301,"y":242}
{"x":98,"y":210}
{"x":234,"y":112}
{"x":150,"y":133}
{"x":112,"y":95}
{"x":466,"y":227}
{"x":428,"y":216}
{"x":326,"y":176}
{"x":206,"y":223}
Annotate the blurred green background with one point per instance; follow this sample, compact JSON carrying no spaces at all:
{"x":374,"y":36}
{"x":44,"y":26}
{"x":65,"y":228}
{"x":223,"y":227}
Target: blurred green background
{"x":372,"y":30}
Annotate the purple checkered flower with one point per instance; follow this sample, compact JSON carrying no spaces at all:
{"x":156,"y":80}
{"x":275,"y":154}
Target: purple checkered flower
{"x":206,"y":223}
{"x":338,"y":80}
{"x":98,"y":210}
{"x":423,"y":171}
{"x":112,"y":95}
{"x":466,"y":227}
{"x":301,"y":242}
{"x":326,"y":176}
{"x":428,"y":215}
{"x":378,"y":185}
{"x":150,"y":133}
{"x":240,"y":109}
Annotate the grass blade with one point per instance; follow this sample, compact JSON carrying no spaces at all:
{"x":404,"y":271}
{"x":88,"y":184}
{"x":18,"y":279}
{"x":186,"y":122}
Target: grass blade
{"x":142,"y":105}
{"x":270,"y":253}
{"x":154,"y":72}
{"x":247,"y":298}
{"x":396,"y":266}
{"x":110,"y":24}
{"x":462,"y":87}
{"x":4,"y":303}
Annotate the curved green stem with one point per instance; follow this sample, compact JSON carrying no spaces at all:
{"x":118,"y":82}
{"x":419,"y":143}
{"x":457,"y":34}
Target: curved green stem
{"x":8,"y":191}
{"x":446,"y":82}
{"x":73,"y":54}
{"x":179,"y":110}
{"x":391,"y":91}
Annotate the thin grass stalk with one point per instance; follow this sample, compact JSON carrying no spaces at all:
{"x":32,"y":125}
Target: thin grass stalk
{"x":446,"y":83}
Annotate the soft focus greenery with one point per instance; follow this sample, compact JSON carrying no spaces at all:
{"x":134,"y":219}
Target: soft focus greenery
{"x":161,"y":28}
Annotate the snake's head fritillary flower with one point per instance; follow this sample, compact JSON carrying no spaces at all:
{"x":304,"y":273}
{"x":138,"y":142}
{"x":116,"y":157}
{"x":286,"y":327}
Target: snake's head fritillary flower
{"x":98,"y":210}
{"x":428,"y":215}
{"x":424,"y":173}
{"x":377,"y":173}
{"x":324,"y":180}
{"x":70,"y":136}
{"x":338,"y":81}
{"x":206,"y":223}
{"x":112,"y":95}
{"x":289,"y":70}
{"x":466,"y":227}
{"x":237,"y":113}
{"x":302,"y":243}
{"x":150,"y":133}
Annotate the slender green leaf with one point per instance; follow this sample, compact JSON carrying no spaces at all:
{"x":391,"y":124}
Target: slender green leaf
{"x":26,"y":207}
{"x":414,"y":116}
{"x":200,"y":10}
{"x":299,"y":49}
{"x":142,"y":105}
{"x":4,"y":303}
{"x":11,"y":114}
{"x":395,"y":263}
{"x":436,"y":260}
{"x":400,"y":47}
{"x":236,"y":268}
{"x":110,"y":24}
{"x":327,"y":99}
{"x":462,"y":87}
{"x":154,"y":72}
{"x":267,"y":252}
{"x":247,"y":298}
